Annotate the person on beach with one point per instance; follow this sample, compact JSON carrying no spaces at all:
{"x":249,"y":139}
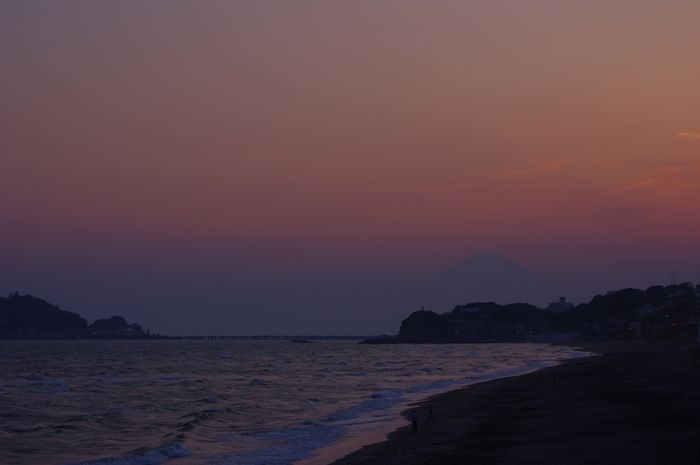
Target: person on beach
{"x":413,"y":416}
{"x":429,"y":419}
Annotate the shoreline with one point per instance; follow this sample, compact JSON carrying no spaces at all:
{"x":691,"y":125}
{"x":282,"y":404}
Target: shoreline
{"x":349,"y":445}
{"x":630,"y":403}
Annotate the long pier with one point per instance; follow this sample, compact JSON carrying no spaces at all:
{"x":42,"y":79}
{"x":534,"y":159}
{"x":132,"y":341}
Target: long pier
{"x":267,"y":338}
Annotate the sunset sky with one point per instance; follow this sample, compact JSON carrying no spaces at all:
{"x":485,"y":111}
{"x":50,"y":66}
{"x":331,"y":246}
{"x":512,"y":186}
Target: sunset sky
{"x":289,"y":166}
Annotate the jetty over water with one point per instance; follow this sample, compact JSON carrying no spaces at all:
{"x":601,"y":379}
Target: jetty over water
{"x":268,"y":338}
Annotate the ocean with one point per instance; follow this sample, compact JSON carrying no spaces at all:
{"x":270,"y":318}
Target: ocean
{"x":224,"y":402}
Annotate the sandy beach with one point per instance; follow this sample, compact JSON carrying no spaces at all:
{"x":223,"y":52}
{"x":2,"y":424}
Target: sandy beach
{"x":633,"y":403}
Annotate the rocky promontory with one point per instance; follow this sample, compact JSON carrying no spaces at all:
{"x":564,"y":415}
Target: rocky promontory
{"x":29,"y":317}
{"x":657,"y":313}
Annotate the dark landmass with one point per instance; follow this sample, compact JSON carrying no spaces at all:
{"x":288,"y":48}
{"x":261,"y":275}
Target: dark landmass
{"x":28,"y":317}
{"x":637,"y":403}
{"x":116,"y":327}
{"x":480,"y":321}
{"x":657,"y":313}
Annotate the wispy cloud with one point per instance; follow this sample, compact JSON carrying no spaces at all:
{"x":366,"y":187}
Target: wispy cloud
{"x":664,"y":174}
{"x":639,"y":184}
{"x":688,"y":135}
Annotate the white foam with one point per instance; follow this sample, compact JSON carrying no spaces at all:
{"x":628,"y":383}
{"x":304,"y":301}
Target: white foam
{"x":391,"y":419}
{"x":288,"y":446}
{"x":387,"y":394}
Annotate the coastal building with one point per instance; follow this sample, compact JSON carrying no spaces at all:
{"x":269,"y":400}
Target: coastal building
{"x":560,"y":306}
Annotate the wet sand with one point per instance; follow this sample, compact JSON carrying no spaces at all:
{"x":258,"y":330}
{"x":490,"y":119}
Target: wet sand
{"x":634,"y":403}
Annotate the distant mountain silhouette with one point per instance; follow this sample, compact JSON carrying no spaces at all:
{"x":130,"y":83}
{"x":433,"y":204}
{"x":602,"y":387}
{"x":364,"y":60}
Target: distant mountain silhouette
{"x":484,"y":264}
{"x":486,"y":277}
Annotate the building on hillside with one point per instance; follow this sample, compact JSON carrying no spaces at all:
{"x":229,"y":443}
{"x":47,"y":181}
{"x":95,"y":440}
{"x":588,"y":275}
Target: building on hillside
{"x":560,"y":306}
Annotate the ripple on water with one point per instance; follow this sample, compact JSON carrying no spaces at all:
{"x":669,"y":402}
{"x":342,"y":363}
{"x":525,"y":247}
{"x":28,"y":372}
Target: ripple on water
{"x":228,"y":402}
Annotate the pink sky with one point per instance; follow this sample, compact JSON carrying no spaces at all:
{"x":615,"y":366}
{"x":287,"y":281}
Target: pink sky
{"x":328,"y":134}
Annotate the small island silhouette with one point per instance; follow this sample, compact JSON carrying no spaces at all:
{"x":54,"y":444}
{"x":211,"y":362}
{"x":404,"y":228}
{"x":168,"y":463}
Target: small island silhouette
{"x":29,"y":317}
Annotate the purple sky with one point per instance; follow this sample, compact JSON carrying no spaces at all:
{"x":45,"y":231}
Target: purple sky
{"x":306,"y":167}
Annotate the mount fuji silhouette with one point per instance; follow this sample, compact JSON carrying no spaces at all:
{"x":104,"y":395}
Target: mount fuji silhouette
{"x":486,"y":277}
{"x":486,"y":264}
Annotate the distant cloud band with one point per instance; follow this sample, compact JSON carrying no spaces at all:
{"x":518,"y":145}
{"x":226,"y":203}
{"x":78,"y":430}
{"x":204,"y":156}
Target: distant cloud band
{"x":669,"y":174}
{"x":689,"y":135}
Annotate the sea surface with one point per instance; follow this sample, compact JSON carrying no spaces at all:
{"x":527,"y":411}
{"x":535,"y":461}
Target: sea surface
{"x":223,"y":402}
